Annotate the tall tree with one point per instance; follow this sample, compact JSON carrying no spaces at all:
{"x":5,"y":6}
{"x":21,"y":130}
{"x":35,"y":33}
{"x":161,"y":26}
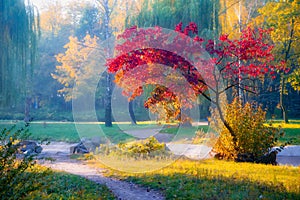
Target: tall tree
{"x":89,"y":23}
{"x":106,"y":7}
{"x":18,"y":38}
{"x":284,"y":17}
{"x":52,"y":18}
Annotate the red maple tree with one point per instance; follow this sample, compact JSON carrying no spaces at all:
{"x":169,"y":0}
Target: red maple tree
{"x":209,"y":67}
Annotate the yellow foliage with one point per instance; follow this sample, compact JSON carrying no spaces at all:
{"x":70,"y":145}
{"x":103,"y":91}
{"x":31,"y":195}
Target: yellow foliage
{"x":73,"y":65}
{"x":284,"y":18}
{"x":247,"y":122}
{"x":236,"y":15}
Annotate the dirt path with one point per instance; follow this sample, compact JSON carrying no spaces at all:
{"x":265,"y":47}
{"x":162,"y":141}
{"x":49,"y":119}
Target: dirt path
{"x":59,"y":151}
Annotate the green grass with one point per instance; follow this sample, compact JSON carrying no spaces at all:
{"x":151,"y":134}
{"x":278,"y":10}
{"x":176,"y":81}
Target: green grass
{"x":292,"y":131}
{"x":68,"y":132}
{"x":60,"y":185}
{"x":214,"y":179}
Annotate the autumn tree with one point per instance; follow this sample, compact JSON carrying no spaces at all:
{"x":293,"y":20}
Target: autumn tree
{"x":237,"y":60}
{"x":52,"y":18}
{"x":236,"y":15}
{"x":73,"y":65}
{"x":284,"y":18}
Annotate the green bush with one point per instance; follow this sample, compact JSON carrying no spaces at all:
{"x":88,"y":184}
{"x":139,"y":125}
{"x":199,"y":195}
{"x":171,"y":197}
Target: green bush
{"x":254,"y":138}
{"x":18,"y":177}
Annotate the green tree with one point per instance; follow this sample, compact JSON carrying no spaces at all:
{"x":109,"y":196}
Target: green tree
{"x":168,"y":13}
{"x":89,"y":23}
{"x":18,"y":38}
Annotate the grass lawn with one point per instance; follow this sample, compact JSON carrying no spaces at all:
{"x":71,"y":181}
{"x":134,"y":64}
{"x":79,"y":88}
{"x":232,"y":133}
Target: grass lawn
{"x":214,"y":179}
{"x":60,"y":185}
{"x":68,"y":132}
{"x":292,"y":131}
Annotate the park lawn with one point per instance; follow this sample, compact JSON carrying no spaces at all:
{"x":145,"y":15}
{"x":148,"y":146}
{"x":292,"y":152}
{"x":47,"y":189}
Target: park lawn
{"x":215,"y":179}
{"x":291,"y":131}
{"x":61,"y":185}
{"x":68,"y":132}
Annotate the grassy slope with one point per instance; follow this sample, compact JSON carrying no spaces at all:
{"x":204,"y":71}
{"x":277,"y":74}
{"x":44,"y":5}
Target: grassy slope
{"x":213,"y":179}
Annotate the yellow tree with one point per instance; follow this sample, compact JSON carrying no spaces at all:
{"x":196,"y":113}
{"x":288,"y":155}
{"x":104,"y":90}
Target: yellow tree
{"x":235,"y":15}
{"x":73,"y":65}
{"x":284,"y":17}
{"x":121,"y":13}
{"x":52,"y":17}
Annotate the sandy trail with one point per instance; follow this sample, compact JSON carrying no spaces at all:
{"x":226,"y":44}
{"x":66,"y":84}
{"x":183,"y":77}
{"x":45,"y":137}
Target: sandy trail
{"x":123,"y":190}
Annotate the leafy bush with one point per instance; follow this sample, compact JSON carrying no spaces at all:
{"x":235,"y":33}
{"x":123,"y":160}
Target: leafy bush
{"x":148,"y":148}
{"x":254,"y":139}
{"x":17,"y":175}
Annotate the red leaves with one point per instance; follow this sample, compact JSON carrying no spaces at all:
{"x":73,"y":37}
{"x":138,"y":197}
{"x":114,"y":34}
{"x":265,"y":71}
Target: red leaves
{"x":178,"y":27}
{"x":191,"y":27}
{"x":198,"y":39}
{"x":223,"y":38}
{"x":250,"y":56}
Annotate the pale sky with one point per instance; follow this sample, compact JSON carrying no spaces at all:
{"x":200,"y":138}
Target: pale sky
{"x":41,"y":3}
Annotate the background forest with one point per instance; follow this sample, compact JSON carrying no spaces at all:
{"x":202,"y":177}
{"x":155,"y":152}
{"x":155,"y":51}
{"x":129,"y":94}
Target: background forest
{"x":41,"y":40}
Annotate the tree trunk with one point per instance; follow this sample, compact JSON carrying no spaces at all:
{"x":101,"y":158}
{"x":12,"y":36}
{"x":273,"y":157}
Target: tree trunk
{"x":131,"y":112}
{"x":231,"y":131}
{"x":27,"y":110}
{"x":107,"y":35}
{"x":282,"y":102}
{"x":108,"y":112}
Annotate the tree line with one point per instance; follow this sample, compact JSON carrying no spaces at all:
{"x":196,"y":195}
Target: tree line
{"x":33,"y":73}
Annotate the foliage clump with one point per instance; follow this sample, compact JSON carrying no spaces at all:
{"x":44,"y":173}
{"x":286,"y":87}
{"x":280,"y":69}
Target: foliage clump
{"x":18,"y":177}
{"x":254,"y":138}
{"x":148,"y":148}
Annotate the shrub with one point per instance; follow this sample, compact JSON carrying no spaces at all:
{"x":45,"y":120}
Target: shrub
{"x":148,"y":148}
{"x":254,"y":138}
{"x":17,"y":176}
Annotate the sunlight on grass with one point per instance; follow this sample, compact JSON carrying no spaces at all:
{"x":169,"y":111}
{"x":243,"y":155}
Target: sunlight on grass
{"x":130,"y":165}
{"x":214,"y":179}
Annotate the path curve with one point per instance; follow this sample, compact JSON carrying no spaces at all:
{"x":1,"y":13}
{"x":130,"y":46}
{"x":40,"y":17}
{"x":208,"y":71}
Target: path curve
{"x":59,"y":152}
